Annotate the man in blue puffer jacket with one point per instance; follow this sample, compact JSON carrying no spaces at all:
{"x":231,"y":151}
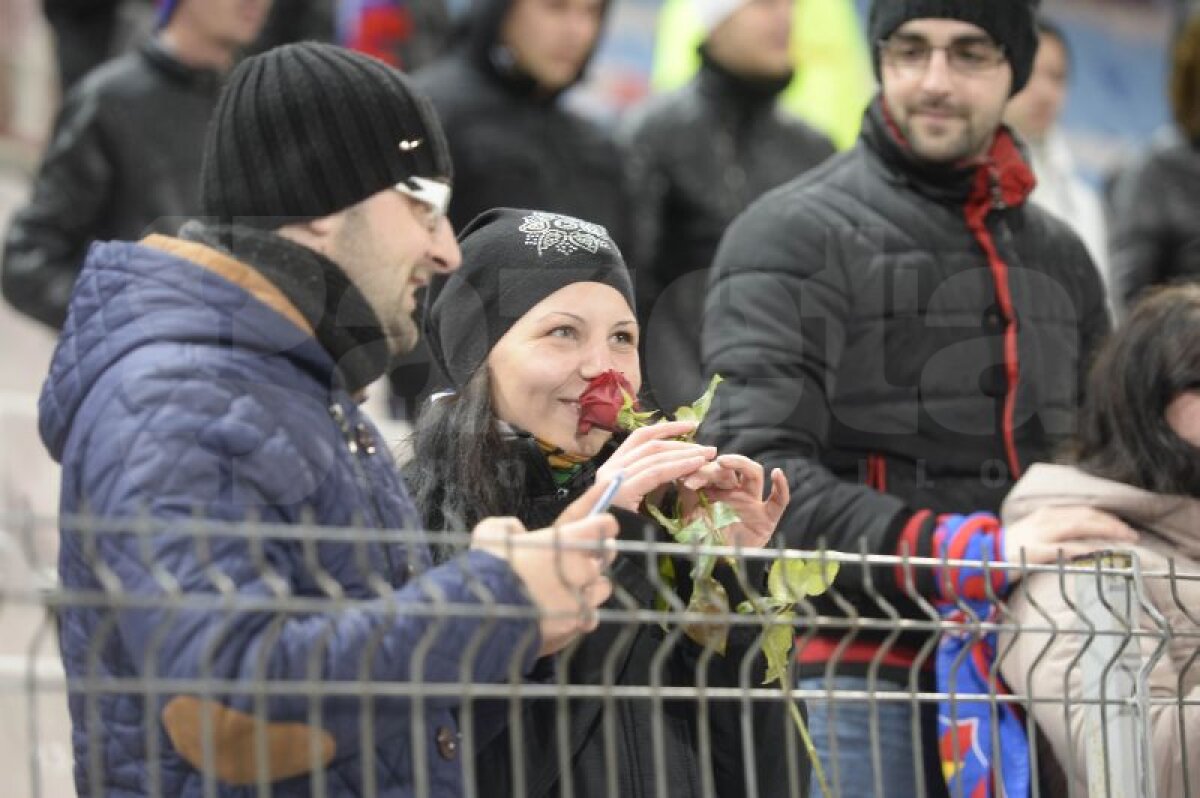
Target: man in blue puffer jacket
{"x":216,"y":376}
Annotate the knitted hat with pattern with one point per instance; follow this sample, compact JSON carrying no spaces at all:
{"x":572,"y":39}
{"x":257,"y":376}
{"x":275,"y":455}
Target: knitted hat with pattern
{"x":512,"y":260}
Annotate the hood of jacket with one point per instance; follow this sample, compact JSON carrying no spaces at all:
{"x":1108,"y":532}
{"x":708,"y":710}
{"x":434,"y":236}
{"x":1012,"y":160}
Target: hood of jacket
{"x":1174,"y":520}
{"x":132,"y":298}
{"x":479,"y":35}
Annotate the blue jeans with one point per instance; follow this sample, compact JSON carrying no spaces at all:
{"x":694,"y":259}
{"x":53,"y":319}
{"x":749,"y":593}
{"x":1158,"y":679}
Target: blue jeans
{"x":854,"y":773}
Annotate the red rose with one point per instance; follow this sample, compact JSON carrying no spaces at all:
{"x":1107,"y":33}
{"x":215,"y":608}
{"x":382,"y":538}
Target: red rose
{"x":602,"y":400}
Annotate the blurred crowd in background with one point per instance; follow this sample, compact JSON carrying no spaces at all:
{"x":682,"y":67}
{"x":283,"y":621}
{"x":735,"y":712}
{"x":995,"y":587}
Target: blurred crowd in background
{"x":1100,"y":98}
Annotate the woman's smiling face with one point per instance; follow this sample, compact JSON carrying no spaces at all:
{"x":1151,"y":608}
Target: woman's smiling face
{"x":543,"y":364}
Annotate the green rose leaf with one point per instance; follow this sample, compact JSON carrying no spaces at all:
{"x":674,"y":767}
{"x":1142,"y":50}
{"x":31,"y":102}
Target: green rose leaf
{"x":629,"y":417}
{"x":696,"y":531}
{"x":709,"y":598}
{"x":686,"y":414}
{"x":699,"y":408}
{"x":790,"y":580}
{"x":722,"y":515}
{"x":666,"y":572}
{"x":761,"y":606}
{"x":672,"y":525}
{"x":777,"y":646}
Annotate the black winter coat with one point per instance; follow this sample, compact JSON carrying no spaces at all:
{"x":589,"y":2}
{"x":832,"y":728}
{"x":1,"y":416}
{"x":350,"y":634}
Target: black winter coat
{"x":631,"y":658}
{"x":514,"y":145}
{"x":1154,"y":227}
{"x":697,"y":157}
{"x":123,"y":161}
{"x":875,"y":352}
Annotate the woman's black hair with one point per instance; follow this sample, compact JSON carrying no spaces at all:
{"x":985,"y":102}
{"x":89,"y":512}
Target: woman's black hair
{"x":1148,"y":362}
{"x":463,"y":468}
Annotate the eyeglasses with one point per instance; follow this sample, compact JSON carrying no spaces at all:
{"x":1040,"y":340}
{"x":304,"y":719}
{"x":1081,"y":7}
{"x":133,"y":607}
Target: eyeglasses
{"x":433,"y":194}
{"x":965,"y":57}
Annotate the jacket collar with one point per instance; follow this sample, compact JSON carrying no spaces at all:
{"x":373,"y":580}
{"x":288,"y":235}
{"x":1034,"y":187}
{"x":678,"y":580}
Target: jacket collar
{"x":164,"y":62}
{"x":741,"y":95}
{"x":1002,"y":180}
{"x":540,"y":477}
{"x":305,"y":287}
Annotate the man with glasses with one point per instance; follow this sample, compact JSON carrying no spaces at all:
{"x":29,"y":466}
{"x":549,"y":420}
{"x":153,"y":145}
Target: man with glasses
{"x":215,"y":377}
{"x":903,"y":334}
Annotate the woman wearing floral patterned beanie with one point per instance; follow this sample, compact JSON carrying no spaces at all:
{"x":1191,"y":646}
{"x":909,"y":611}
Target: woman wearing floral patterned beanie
{"x":537,"y":333}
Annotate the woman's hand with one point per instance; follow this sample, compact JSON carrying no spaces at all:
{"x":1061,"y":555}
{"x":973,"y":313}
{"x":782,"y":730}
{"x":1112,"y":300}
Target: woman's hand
{"x":738,"y":481}
{"x":650,"y":461}
{"x":1075,"y":530}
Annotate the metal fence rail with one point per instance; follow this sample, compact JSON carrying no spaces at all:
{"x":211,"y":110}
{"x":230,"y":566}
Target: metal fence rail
{"x":1101,"y":668}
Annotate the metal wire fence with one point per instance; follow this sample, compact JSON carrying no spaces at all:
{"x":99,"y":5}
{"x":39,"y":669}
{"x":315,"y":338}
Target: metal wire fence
{"x":215,"y":697}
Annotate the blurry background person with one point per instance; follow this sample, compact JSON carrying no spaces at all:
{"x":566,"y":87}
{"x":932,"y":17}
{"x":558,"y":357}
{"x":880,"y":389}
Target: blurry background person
{"x":833,"y":80}
{"x":512,"y":140}
{"x":1034,"y":114}
{"x":14,"y":22}
{"x":697,"y":157}
{"x":124,"y":158}
{"x":89,"y":32}
{"x":1136,"y":456}
{"x":408,"y":34}
{"x":1154,"y":216}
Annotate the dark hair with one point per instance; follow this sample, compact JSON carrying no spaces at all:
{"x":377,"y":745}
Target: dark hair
{"x":1149,"y":361}
{"x":463,"y":469}
{"x":1185,"y":76}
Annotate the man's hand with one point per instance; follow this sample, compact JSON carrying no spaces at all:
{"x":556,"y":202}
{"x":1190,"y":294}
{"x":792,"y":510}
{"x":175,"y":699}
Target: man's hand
{"x":562,"y":567}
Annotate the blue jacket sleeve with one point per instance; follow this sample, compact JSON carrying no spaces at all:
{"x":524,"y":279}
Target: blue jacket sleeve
{"x":252,"y":613}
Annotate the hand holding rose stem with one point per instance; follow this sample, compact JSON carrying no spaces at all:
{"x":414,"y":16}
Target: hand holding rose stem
{"x":658,"y":454}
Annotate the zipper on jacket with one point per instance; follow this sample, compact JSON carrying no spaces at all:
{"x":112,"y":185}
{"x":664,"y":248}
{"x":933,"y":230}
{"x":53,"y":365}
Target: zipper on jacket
{"x":997,"y":191}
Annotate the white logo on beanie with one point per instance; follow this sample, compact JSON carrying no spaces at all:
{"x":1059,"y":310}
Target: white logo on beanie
{"x":410,"y":144}
{"x":566,"y":234}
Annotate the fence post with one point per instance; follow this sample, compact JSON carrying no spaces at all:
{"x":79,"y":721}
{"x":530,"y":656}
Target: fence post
{"x":1116,"y":736}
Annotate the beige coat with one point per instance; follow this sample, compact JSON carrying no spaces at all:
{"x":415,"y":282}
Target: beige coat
{"x":1169,"y":527}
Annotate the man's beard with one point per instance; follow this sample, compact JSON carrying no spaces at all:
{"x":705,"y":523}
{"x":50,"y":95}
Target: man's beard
{"x":961,"y":146}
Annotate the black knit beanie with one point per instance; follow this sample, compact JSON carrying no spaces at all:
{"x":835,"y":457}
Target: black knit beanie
{"x":306,"y":130}
{"x":1009,"y":22}
{"x":511,"y":260}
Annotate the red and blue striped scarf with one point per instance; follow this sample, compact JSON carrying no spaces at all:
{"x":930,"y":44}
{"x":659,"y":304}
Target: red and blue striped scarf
{"x":983,"y":743}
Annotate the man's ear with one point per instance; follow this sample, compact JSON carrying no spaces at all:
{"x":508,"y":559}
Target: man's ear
{"x":313,"y":233}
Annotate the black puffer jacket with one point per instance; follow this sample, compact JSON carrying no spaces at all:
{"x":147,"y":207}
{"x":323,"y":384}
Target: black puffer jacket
{"x":875,"y":351}
{"x":632,"y":659}
{"x":1154,"y":229}
{"x":696,"y":158}
{"x":514,"y":145}
{"x":124,"y":160}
